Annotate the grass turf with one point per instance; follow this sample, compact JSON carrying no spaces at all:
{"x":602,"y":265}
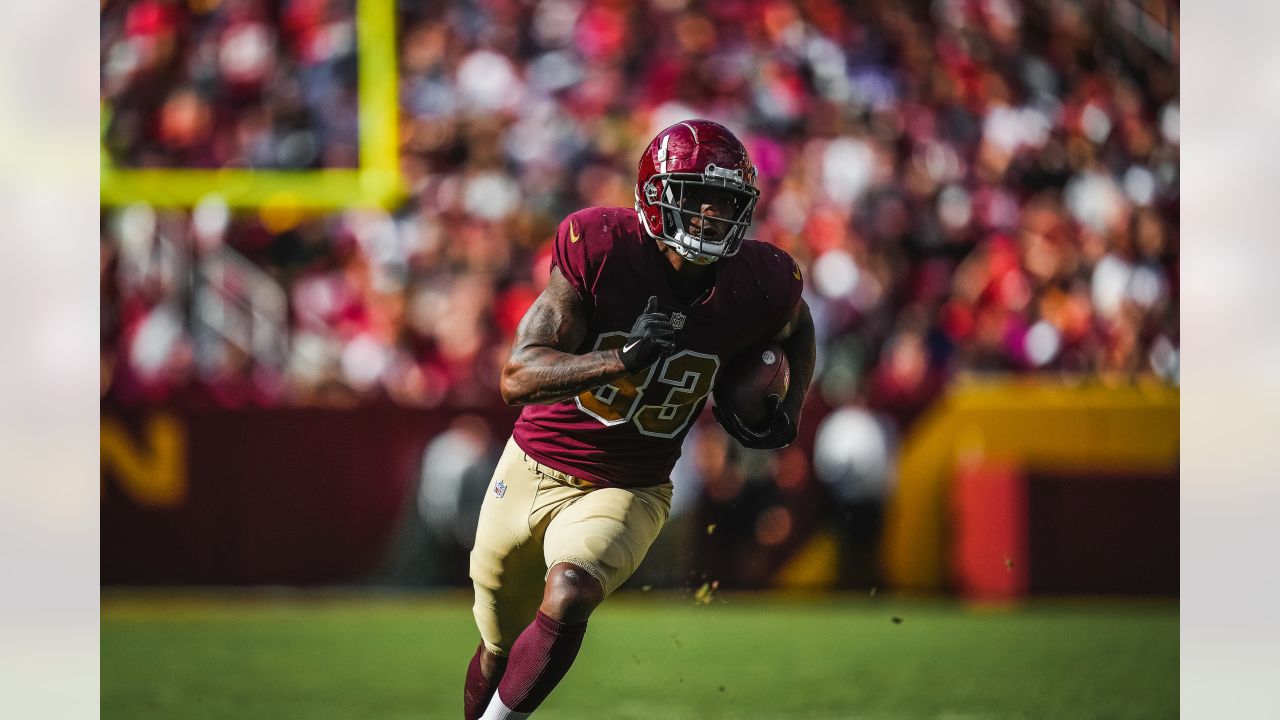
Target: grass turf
{"x":646,"y":656}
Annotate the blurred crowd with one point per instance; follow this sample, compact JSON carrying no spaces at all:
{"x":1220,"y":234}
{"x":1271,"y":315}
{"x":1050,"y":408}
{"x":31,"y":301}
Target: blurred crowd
{"x":229,"y":83}
{"x":969,"y":185}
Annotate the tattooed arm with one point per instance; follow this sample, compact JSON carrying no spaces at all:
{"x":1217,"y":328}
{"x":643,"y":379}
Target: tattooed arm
{"x":542,"y":368}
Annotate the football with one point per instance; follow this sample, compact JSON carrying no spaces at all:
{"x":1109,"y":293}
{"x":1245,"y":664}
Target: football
{"x":752,"y":377}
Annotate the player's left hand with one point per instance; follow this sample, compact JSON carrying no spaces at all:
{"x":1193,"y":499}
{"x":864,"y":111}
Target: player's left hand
{"x":778,"y":432}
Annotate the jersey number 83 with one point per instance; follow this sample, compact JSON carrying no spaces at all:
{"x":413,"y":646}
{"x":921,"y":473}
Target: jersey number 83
{"x":683,"y":381}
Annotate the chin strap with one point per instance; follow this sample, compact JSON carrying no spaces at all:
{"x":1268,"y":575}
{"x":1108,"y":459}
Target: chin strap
{"x":689,"y":254}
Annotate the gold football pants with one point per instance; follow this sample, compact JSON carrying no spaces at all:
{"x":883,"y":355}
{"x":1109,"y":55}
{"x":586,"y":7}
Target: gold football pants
{"x":534,"y":518}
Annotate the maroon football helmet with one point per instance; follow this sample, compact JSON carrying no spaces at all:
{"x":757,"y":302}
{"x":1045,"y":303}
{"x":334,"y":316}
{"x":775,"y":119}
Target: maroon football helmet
{"x":684,"y":167}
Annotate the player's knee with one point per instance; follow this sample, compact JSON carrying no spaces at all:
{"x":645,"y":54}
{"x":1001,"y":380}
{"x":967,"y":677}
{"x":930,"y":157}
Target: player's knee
{"x":492,"y":665}
{"x":572,"y":593}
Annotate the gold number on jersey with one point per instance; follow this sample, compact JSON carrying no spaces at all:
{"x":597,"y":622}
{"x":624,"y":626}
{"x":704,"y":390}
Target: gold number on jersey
{"x":614,"y":403}
{"x":687,"y":376}
{"x":690,"y":375}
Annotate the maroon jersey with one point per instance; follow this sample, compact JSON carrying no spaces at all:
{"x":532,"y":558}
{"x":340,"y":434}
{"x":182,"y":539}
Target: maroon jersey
{"x":628,"y":433}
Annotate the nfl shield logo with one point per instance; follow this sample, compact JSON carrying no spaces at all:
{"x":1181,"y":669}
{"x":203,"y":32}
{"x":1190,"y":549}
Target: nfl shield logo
{"x":677,"y":320}
{"x":500,"y":489}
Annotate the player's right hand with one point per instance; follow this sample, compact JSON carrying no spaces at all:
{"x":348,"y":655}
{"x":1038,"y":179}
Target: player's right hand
{"x":778,"y":432}
{"x":651,"y":338}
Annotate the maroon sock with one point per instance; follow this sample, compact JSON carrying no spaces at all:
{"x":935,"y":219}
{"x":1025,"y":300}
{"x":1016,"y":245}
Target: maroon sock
{"x":539,"y":659}
{"x":479,"y":690}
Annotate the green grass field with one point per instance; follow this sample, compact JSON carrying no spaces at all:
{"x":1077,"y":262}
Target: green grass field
{"x":646,"y":656}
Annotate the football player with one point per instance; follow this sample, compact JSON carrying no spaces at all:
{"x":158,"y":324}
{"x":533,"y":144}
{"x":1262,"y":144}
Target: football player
{"x":612,"y":363}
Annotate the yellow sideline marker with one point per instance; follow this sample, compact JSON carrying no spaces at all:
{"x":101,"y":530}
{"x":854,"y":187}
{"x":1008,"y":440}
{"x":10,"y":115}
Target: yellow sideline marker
{"x":1039,"y":422}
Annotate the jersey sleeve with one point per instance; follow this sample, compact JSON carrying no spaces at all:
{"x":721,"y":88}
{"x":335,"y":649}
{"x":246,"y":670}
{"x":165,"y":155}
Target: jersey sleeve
{"x":783,"y":285}
{"x":570,"y":253}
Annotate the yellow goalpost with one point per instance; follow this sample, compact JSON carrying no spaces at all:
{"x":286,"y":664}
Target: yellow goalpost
{"x":375,"y":183}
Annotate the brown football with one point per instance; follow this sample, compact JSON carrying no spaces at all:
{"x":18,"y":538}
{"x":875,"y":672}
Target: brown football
{"x":744,"y":386}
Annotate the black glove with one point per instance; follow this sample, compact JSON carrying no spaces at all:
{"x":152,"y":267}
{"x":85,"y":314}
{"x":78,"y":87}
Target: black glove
{"x":650,"y":338}
{"x":778,"y":432}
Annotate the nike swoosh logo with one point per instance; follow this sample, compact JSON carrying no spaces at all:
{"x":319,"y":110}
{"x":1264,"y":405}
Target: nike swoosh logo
{"x":628,"y":346}
{"x":573,"y":232}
